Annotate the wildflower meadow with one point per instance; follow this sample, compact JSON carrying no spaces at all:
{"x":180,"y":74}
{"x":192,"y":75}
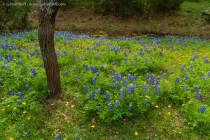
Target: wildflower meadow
{"x":113,"y":88}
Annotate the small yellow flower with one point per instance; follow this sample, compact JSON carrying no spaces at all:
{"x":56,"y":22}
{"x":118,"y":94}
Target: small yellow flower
{"x":23,"y":103}
{"x":93,"y":126}
{"x":169,"y":113}
{"x":2,"y":109}
{"x":11,"y":138}
{"x":156,"y":106}
{"x":15,"y":107}
{"x":115,"y":96}
{"x":72,"y":106}
{"x":64,"y":139}
{"x":14,"y":59}
{"x":136,"y":133}
{"x":36,"y":62}
{"x":28,"y":118}
{"x":124,"y":119}
{"x":24,"y":111}
{"x":169,"y":106}
{"x":8,"y":106}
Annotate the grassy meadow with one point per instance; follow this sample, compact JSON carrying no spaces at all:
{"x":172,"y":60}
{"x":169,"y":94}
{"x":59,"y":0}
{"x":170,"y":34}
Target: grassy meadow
{"x":118,"y":88}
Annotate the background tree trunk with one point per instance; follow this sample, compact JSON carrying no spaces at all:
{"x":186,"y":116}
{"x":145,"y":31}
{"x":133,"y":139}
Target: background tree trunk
{"x":46,"y":41}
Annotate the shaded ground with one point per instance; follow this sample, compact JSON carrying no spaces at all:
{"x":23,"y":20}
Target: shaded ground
{"x":182,"y":23}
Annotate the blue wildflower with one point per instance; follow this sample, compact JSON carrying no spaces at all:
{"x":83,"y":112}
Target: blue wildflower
{"x":144,"y":88}
{"x":19,"y":102}
{"x":164,"y":76}
{"x":77,"y":78}
{"x":121,"y":93}
{"x":66,"y":73}
{"x":130,"y":106}
{"x":202,"y":109}
{"x":10,"y":91}
{"x":145,"y":101}
{"x":92,"y":95}
{"x":161,"y":72}
{"x":177,"y":81}
{"x":110,"y":106}
{"x":117,"y":103}
{"x":206,"y":61}
{"x":27,"y":87}
{"x":21,"y":95}
{"x":85,"y":89}
{"x":57,"y":137}
{"x":157,"y":90}
{"x":185,"y":87}
{"x":97,"y":108}
{"x":107,"y":96}
{"x":198,"y":96}
{"x":186,"y":76}
{"x":195,"y":89}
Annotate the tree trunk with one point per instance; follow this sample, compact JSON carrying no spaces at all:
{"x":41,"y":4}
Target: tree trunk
{"x":46,"y":41}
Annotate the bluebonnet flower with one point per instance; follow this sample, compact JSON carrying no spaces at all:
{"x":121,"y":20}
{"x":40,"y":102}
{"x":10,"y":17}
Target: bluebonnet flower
{"x":19,"y":102}
{"x":57,"y":137}
{"x":186,"y":76}
{"x":205,"y":78}
{"x":66,"y":73}
{"x":185,"y":87}
{"x":124,"y":82}
{"x":113,"y":63}
{"x":146,"y":60}
{"x":7,"y":68}
{"x":65,"y":53}
{"x":21,"y":95}
{"x":160,"y":54}
{"x":164,"y":76}
{"x":99,"y":91}
{"x":198,"y":96}
{"x":3,"y":75}
{"x":93,"y":69}
{"x":130,"y":106}
{"x":27,"y":135}
{"x":117,"y":103}
{"x":27,"y":87}
{"x":158,"y":80}
{"x":86,"y":68}
{"x":85,"y":89}
{"x":136,"y":55}
{"x":33,"y":71}
{"x":157,"y":90}
{"x":4,"y":60}
{"x":132,"y":63}
{"x":125,"y":60}
{"x":195,"y":89}
{"x":202,"y":109}
{"x":201,"y":75}
{"x":130,"y":89}
{"x":177,"y":81}
{"x":161,"y":72}
{"x":27,"y":56}
{"x":107,"y":96}
{"x":92,"y":95}
{"x":152,"y":79}
{"x":125,"y":53}
{"x":10,"y":91}
{"x":204,"y":57}
{"x":145,"y":101}
{"x":182,"y":68}
{"x":21,"y":63}
{"x":93,"y":81}
{"x":75,"y":70}
{"x":147,"y":76}
{"x":97,"y":108}
{"x":206,"y":61}
{"x":144,"y":88}
{"x":77,"y":78}
{"x":110,"y":106}
{"x":173,"y":70}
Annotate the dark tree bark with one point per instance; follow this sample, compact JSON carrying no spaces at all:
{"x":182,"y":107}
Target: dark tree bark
{"x":46,"y":41}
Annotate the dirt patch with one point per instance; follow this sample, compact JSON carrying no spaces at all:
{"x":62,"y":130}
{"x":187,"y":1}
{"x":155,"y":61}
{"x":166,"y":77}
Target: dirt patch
{"x":85,"y":21}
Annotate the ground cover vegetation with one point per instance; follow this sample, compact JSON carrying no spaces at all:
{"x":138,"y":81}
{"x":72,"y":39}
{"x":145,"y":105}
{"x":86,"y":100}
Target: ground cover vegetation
{"x":118,"y":88}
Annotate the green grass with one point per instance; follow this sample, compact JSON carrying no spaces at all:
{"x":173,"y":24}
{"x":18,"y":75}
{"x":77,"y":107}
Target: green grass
{"x":172,"y":114}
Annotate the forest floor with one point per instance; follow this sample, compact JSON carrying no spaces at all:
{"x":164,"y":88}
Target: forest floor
{"x":187,"y":21}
